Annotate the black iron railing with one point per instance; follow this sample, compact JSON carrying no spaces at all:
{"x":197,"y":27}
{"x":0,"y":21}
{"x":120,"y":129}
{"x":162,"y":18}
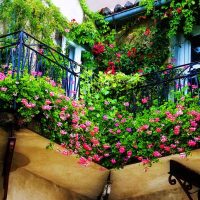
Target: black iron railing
{"x":161,"y":86}
{"x":22,"y":53}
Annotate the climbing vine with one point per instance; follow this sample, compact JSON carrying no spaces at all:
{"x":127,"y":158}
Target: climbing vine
{"x":179,"y":15}
{"x":40,"y":18}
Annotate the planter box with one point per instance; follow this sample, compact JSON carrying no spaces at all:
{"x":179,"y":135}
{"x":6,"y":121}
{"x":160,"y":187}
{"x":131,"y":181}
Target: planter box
{"x":49,"y":172}
{"x":133,"y":182}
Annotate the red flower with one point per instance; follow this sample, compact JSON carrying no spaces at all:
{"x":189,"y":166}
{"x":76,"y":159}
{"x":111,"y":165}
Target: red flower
{"x":111,"y":68}
{"x":179,"y":10}
{"x":132,"y":52}
{"x":147,"y":32}
{"x":158,"y":130}
{"x":98,"y":48}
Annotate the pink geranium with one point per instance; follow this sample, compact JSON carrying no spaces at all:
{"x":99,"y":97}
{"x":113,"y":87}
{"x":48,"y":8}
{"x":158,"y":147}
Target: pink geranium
{"x":113,"y":161}
{"x":2,"y":76}
{"x":157,"y":154}
{"x":192,"y":143}
{"x":122,"y":149}
{"x":177,"y":130}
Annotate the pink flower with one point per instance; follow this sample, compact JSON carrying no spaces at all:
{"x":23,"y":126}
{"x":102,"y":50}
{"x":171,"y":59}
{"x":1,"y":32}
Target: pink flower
{"x":170,"y":66}
{"x":88,"y":123}
{"x":157,"y":119}
{"x":47,"y":102}
{"x":129,"y":153}
{"x":46,"y":107}
{"x":106,"y":146}
{"x":67,"y":30}
{"x":173,"y":146}
{"x":149,"y":146}
{"x":106,"y":102}
{"x":83,"y":126}
{"x":87,"y":147}
{"x":105,"y":117}
{"x":59,"y":124}
{"x":95,"y":141}
{"x":145,"y":161}
{"x":117,"y":144}
{"x":167,"y":148}
{"x":176,"y":130}
{"x":144,"y":100}
{"x":96,"y":158}
{"x":163,"y":139}
{"x":53,"y":83}
{"x":62,"y":132}
{"x":192,"y":129}
{"x":197,"y":138}
{"x":4,"y":89}
{"x":122,"y":149}
{"x":192,"y":143}
{"x":193,"y":123}
{"x":113,"y":161}
{"x":24,"y":101}
{"x":2,"y":76}
{"x":83,"y":161}
{"x":116,"y":124}
{"x":158,"y":130}
{"x":118,"y":55}
{"x":119,"y":116}
{"x":51,"y":94}
{"x":96,"y":129}
{"x":123,"y":120}
{"x":129,"y":130}
{"x":156,"y":154}
{"x":126,"y":104}
{"x":182,"y":155}
{"x":149,"y":132}
{"x":118,"y":131}
{"x":91,"y":108}
{"x":180,"y":149}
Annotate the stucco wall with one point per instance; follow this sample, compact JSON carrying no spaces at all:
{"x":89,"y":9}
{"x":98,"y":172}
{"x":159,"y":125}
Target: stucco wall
{"x":70,"y":9}
{"x":27,"y":186}
{"x":133,"y":183}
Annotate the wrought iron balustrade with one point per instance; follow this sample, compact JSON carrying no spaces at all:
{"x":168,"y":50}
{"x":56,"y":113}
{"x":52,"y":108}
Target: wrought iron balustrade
{"x":22,"y":53}
{"x":162,"y":86}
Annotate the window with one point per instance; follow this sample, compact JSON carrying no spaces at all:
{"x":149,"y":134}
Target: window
{"x":195,"y":48}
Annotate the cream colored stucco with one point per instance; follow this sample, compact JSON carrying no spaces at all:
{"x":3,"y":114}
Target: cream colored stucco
{"x":71,"y":9}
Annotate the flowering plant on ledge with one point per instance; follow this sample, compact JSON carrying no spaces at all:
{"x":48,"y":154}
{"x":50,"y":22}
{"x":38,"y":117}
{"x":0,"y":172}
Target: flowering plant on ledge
{"x":104,"y":131}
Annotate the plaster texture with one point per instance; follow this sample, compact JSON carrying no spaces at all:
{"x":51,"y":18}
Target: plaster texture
{"x":27,"y":186}
{"x":70,"y":9}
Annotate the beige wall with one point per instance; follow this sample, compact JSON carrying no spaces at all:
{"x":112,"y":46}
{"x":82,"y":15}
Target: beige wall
{"x":27,"y":186}
{"x":70,"y":9}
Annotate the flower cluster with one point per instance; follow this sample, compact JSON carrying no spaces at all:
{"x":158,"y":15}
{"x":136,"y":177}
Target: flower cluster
{"x":105,"y":131}
{"x":98,"y":48}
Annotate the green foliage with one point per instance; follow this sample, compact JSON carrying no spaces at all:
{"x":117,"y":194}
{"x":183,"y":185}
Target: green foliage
{"x":180,"y":15}
{"x":40,"y":18}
